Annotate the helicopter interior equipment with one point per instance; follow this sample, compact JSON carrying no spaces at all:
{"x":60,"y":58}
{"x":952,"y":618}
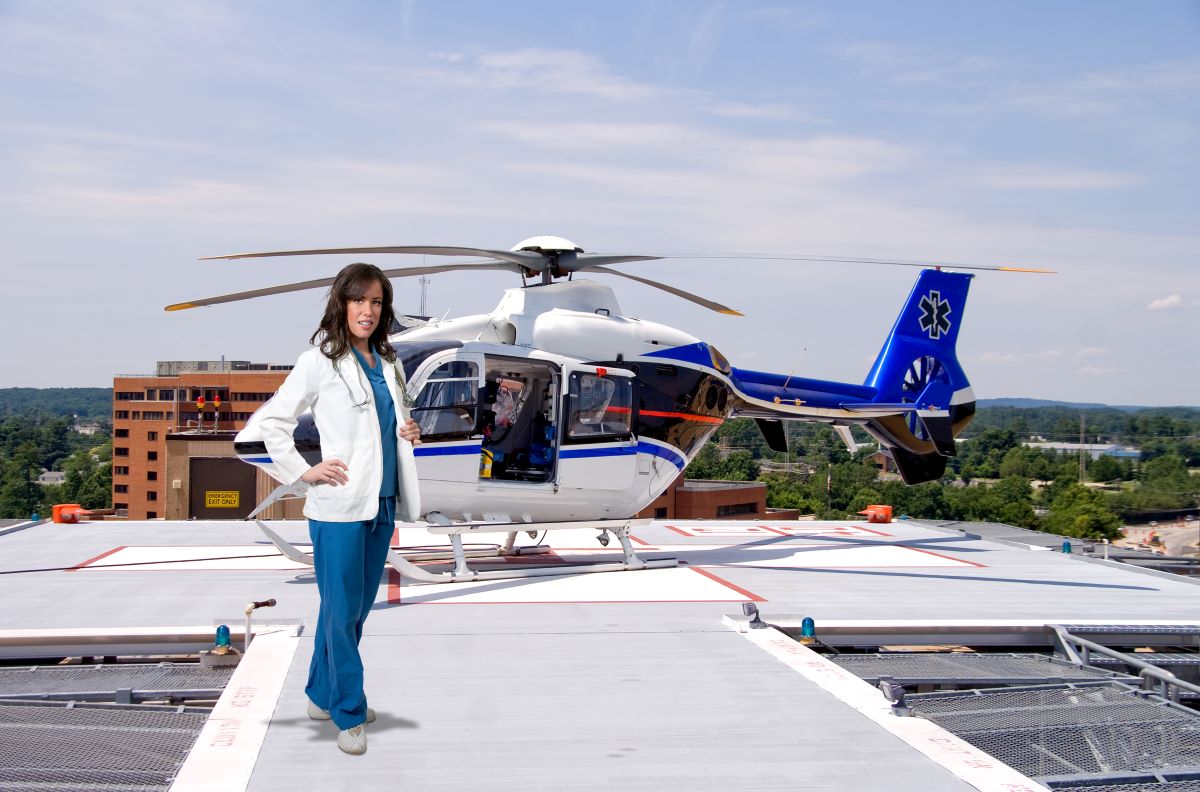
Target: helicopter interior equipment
{"x":555,"y":410}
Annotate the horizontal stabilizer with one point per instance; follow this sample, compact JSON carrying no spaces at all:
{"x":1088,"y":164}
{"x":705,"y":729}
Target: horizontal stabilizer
{"x":939,"y":428}
{"x":773,"y":433}
{"x":918,"y":468}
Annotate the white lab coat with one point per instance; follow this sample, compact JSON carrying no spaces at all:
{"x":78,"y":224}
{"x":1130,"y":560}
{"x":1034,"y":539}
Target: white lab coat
{"x":340,"y":399}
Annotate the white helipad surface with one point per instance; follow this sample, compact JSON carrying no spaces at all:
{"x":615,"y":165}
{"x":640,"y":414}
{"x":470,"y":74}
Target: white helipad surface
{"x":613,"y":681}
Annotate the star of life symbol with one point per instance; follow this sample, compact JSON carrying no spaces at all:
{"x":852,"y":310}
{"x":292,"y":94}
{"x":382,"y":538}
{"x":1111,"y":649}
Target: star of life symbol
{"x":935,"y":313}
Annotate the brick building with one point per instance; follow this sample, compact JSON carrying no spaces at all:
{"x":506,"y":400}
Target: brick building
{"x":147,"y":408}
{"x":695,"y":499}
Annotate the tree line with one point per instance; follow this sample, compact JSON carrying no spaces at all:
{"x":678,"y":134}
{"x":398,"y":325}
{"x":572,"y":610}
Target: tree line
{"x":33,"y":442}
{"x":994,"y":478}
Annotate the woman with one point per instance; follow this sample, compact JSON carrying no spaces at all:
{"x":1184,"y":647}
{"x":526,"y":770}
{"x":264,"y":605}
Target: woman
{"x":351,"y":384}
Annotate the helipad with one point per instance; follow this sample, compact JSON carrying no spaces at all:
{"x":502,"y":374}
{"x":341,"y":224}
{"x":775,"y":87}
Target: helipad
{"x":629,"y":680}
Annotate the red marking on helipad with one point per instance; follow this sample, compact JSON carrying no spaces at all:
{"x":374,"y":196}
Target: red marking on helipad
{"x":393,"y":587}
{"x":947,"y":557}
{"x":91,"y":561}
{"x":717,"y":578}
{"x":679,"y":531}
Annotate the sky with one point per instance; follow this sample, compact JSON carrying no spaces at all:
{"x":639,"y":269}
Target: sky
{"x":137,"y":137}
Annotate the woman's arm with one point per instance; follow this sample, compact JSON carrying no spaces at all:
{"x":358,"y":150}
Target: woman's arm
{"x":277,"y":418}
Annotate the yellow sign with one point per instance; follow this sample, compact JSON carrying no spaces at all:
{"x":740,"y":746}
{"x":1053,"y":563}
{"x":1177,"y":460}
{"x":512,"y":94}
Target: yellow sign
{"x":222,"y":499}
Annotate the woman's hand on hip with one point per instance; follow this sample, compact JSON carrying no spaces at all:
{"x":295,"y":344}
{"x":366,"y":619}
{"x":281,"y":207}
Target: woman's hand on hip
{"x":328,"y":471}
{"x":411,"y":432}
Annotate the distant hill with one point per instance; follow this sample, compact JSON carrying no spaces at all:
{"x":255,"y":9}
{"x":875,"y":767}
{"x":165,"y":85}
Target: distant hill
{"x":92,"y":403}
{"x":1025,"y":403}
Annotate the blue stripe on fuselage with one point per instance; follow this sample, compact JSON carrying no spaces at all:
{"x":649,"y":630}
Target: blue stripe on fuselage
{"x":691,"y":353}
{"x":670,"y":454}
{"x":439,"y":450}
{"x":584,"y":453}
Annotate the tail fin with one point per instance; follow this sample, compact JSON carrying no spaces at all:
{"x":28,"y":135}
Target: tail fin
{"x":918,"y":365}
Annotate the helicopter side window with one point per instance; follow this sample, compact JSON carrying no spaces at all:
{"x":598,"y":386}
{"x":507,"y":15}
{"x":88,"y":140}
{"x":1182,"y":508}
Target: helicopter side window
{"x":601,"y":407}
{"x":448,"y":406}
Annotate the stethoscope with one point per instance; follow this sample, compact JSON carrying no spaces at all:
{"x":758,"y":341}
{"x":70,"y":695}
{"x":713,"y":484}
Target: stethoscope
{"x":362,"y":402}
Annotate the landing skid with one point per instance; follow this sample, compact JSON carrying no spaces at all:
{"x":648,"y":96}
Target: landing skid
{"x":463,"y":572}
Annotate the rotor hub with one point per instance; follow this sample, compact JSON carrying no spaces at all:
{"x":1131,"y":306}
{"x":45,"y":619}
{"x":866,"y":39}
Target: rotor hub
{"x":547,"y":244}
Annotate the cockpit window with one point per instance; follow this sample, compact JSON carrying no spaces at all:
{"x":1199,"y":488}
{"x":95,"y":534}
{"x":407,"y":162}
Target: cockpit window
{"x":448,"y":406}
{"x":601,"y":407}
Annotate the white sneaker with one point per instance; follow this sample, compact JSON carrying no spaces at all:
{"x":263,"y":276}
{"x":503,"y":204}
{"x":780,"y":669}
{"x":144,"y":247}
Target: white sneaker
{"x":353,"y":741}
{"x":316,"y":713}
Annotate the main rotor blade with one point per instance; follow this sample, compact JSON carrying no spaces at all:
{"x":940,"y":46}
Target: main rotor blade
{"x":524,"y":258}
{"x":715,"y":306}
{"x":320,"y":282}
{"x":587,"y":260}
{"x":855,"y":260}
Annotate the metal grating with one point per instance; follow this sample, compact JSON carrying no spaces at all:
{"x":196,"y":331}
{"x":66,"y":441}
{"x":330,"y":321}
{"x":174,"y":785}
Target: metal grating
{"x":1190,"y":785}
{"x":1141,"y":629}
{"x":1071,"y":729}
{"x":913,"y":668}
{"x":40,"y":680}
{"x":93,"y":747}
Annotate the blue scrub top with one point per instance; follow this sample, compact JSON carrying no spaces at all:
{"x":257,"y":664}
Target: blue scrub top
{"x":386,"y":409}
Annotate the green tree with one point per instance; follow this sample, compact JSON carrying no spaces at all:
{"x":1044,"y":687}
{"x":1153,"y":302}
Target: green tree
{"x":1083,"y":513}
{"x":1105,"y":468}
{"x":704,"y":464}
{"x":89,"y":478}
{"x":20,"y":494}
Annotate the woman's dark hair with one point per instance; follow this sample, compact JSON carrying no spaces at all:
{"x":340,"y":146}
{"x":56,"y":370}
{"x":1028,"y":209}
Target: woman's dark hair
{"x":351,"y":283}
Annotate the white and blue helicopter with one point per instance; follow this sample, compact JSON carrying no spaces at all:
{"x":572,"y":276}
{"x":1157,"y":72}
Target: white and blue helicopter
{"x":555,"y":410}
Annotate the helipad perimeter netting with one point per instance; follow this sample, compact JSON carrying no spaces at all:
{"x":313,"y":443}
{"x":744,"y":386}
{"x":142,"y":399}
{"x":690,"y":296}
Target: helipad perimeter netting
{"x":35,"y":681}
{"x":964,"y":668}
{"x":93,"y":747}
{"x":1070,"y":730}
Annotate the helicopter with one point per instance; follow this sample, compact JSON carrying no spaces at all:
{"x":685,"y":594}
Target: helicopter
{"x":557,"y":410}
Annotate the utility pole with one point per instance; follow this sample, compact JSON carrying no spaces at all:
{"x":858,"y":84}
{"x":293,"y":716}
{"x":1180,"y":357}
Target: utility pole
{"x":1082,"y":435}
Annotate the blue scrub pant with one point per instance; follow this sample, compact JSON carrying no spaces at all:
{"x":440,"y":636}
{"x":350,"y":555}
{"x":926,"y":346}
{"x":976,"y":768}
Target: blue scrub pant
{"x":348,"y":558}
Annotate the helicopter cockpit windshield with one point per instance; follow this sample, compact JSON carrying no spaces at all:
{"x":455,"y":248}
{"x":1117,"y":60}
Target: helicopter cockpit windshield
{"x":447,"y":407}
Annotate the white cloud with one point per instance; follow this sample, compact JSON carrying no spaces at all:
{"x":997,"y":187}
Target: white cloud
{"x":909,"y":64}
{"x":1047,"y":177}
{"x":560,"y":71}
{"x":1168,"y":303}
{"x":1098,"y":371}
{"x":1091,"y":352}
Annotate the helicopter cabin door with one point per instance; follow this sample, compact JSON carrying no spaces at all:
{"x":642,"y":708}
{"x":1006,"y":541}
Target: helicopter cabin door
{"x":598,"y":448}
{"x":447,"y":410}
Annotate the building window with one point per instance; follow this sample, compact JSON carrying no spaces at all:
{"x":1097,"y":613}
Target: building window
{"x":736,"y":508}
{"x":151,"y":515}
{"x":121,"y":415}
{"x":120,"y":470}
{"x":152,"y":455}
{"x":151,"y":475}
{"x":154,"y":416}
{"x":121,"y":433}
{"x":151,"y":495}
{"x":151,"y":436}
{"x":660,"y":513}
{"x":121,"y":488}
{"x":129,"y":396}
{"x":121,"y":507}
{"x":166,"y":395}
{"x":120,"y":452}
